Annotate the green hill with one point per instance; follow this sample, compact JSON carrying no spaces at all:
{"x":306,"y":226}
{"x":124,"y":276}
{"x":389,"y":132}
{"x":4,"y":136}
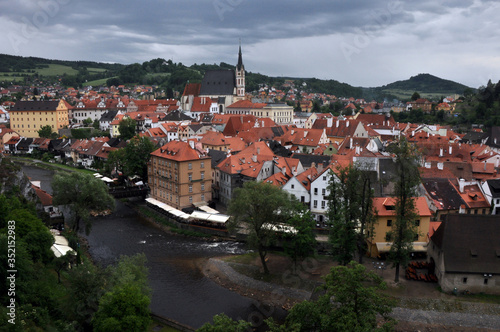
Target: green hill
{"x":428,"y":86}
{"x":174,"y":76}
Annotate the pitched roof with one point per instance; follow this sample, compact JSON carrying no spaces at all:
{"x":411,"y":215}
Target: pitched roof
{"x":192,"y":89}
{"x":179,"y":151}
{"x":214,"y":138}
{"x":35,"y":106}
{"x":245,"y":103}
{"x":385,"y":206}
{"x":469,"y":243}
{"x":218,"y":82}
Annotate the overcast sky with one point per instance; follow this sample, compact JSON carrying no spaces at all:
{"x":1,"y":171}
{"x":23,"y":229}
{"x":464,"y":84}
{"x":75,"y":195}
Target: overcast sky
{"x":361,"y":42}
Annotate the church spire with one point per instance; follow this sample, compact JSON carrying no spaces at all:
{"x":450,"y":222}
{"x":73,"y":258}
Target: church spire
{"x":240,"y":59}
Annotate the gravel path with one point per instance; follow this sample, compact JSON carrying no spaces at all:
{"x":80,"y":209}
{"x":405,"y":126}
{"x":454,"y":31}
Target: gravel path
{"x":472,"y":315}
{"x":247,"y":282}
{"x":461,"y":319}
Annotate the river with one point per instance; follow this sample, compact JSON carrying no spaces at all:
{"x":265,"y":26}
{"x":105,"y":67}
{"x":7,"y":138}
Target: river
{"x":179,"y":290}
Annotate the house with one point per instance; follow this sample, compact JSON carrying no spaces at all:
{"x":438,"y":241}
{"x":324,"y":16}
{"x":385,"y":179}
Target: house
{"x":5,"y":135}
{"x":379,"y":241}
{"x":491,"y":188}
{"x":180,"y":175}
{"x":300,"y":185}
{"x":465,"y":254}
{"x":254,"y":163}
{"x":279,"y":113}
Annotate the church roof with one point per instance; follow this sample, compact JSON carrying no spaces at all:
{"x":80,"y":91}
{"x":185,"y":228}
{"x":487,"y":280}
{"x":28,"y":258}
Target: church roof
{"x":218,"y":82}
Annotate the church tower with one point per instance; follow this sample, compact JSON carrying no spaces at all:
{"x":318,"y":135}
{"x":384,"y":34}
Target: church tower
{"x":240,"y":77}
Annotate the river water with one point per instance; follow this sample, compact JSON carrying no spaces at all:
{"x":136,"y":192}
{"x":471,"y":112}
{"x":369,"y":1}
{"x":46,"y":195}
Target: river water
{"x":179,"y":290}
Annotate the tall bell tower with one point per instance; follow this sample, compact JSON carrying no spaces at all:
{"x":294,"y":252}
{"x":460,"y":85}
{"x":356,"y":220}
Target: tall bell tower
{"x":240,"y":77}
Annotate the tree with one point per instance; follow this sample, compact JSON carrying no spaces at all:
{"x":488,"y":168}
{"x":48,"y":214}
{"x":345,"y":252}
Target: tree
{"x":82,"y":193}
{"x":258,"y":207}
{"x":222,"y":323}
{"x":404,"y":228}
{"x":303,"y":243}
{"x":352,"y":302}
{"x":126,"y":128}
{"x":415,"y":96}
{"x":350,"y":202}
{"x":115,"y":162}
{"x":136,"y":157}
{"x":126,"y":306}
{"x":45,"y":131}
{"x":87,"y":122}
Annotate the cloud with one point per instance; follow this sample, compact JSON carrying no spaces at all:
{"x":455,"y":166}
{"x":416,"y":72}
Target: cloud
{"x":361,"y":42}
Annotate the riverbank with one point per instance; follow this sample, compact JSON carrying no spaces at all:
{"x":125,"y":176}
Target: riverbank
{"x":421,"y":306}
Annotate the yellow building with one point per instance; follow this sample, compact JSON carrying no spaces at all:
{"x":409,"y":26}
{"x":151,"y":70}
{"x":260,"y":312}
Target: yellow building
{"x":28,"y":117}
{"x":379,"y":242}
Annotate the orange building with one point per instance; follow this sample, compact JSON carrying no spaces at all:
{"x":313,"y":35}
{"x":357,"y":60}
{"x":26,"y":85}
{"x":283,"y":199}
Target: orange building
{"x":379,"y":242}
{"x":180,"y":175}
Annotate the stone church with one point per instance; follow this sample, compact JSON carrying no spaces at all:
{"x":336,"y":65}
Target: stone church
{"x":222,"y":87}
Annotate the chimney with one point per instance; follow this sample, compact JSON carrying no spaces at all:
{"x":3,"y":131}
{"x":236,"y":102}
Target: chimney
{"x":313,"y":164}
{"x":294,"y":171}
{"x":461,"y":185}
{"x":440,"y":152}
{"x":292,"y":131}
{"x":357,"y":149}
{"x":427,"y":164}
{"x":320,"y":167}
{"x":450,"y":149}
{"x":283,"y":170}
{"x":440,"y":166}
{"x":350,"y":144}
{"x":258,"y":150}
{"x":191,"y":144}
{"x":413,"y":133}
{"x":254,"y":158}
{"x":305,"y":133}
{"x":485,"y":165}
{"x":347,"y":124}
{"x":337,"y":123}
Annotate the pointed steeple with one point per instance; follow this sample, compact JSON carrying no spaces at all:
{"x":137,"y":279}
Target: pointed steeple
{"x":240,"y":59}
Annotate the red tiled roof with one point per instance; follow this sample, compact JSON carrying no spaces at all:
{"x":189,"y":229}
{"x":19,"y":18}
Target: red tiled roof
{"x":179,"y":151}
{"x":245,"y":103}
{"x":385,"y":206}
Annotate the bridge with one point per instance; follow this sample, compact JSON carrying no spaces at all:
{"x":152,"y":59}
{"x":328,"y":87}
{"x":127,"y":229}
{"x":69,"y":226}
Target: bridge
{"x":123,"y":192}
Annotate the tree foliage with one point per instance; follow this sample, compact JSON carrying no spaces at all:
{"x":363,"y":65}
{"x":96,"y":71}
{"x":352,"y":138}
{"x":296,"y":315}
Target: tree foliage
{"x":126,"y":306}
{"x":136,"y":156}
{"x":302,"y":244}
{"x":45,"y":132}
{"x":350,"y":202}
{"x":258,"y":206}
{"x":407,"y":179}
{"x":222,"y":323}
{"x":126,"y":128}
{"x":351,"y":302}
{"x":82,"y":193}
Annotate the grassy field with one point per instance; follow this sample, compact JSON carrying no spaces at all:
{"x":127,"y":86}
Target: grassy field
{"x":9,"y":78}
{"x":56,"y":70}
{"x":97,"y":82}
{"x":406,"y":94}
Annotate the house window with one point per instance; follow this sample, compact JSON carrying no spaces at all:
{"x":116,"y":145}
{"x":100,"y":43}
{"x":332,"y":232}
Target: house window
{"x":202,"y":187}
{"x":324,"y":178}
{"x":485,"y":281}
{"x":464,"y":280}
{"x":417,"y":223}
{"x":323,"y":191}
{"x":202,"y":175}
{"x":191,"y":199}
{"x":416,"y":237}
{"x":315,"y":204}
{"x":190,"y":176}
{"x":293,"y":186}
{"x":190,"y":166}
{"x":203,"y":197}
{"x":323,"y":204}
{"x":202,"y":164}
{"x":190,"y":188}
{"x":388,"y":237}
{"x":315,"y":191}
{"x":389,"y":223}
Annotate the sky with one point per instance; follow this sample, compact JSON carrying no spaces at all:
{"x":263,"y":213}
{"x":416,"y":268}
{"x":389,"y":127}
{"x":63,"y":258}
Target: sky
{"x":360,"y":42}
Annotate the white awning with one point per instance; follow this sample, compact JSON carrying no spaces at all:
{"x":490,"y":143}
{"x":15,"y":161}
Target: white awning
{"x":280,"y":228}
{"x":106,"y":179}
{"x":386,"y":246}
